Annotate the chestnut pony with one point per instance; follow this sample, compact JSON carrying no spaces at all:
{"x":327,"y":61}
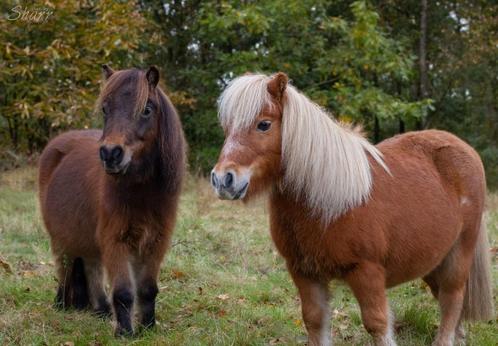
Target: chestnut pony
{"x":109,"y":198}
{"x":341,"y":208}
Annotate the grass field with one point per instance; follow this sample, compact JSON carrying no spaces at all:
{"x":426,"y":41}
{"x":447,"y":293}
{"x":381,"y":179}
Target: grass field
{"x":222,"y":283}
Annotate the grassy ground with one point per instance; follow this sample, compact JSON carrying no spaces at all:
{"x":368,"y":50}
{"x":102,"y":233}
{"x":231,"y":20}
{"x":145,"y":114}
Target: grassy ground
{"x":222,"y":283}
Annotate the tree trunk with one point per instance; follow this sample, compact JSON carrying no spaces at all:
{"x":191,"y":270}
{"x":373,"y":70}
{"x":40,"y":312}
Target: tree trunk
{"x":376,"y":130}
{"x":401,"y":126}
{"x":422,"y":57}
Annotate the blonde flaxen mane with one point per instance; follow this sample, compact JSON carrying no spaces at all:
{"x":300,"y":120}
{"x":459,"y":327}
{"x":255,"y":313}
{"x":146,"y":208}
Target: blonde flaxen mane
{"x":325,"y":162}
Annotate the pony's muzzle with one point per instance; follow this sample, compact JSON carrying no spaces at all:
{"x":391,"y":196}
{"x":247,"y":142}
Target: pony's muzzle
{"x":229,"y":185}
{"x":112,"y":157}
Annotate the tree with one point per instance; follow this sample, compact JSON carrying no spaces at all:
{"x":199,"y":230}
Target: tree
{"x":50,"y":71}
{"x":348,"y":64}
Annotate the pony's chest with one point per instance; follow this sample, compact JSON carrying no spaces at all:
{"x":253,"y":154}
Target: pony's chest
{"x":306,"y":245}
{"x":303,"y":248}
{"x":141,"y":236}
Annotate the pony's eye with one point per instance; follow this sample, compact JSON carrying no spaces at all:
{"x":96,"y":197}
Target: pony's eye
{"x":147,"y":111}
{"x":264,"y":125}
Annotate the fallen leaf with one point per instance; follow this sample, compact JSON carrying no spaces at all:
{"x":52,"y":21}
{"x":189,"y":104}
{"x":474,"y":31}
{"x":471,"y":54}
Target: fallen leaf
{"x":6,"y":266}
{"x":177,"y":274}
{"x":28,"y":274}
{"x":223,"y":296}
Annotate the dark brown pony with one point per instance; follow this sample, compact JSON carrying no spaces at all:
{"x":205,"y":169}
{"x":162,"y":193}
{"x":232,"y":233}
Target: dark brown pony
{"x":109,"y":198}
{"x":341,"y":208}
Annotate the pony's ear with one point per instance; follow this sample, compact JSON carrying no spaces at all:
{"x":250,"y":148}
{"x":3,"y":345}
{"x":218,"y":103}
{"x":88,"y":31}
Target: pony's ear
{"x":107,"y":70}
{"x":152,"y":76}
{"x":276,"y":86}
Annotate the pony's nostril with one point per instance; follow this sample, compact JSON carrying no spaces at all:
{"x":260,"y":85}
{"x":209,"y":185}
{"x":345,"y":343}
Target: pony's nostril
{"x":117,"y":153}
{"x":228,"y":180}
{"x":103,"y":153}
{"x":214,"y":180}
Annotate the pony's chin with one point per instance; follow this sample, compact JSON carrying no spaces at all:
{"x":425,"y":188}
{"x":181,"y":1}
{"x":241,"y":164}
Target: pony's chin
{"x":231,"y":194}
{"x":118,"y":171}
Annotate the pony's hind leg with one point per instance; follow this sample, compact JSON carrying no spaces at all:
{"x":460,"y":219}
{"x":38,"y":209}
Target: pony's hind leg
{"x":431,"y":281}
{"x":450,"y":278}
{"x":95,"y":277}
{"x":367,"y":282}
{"x":79,"y":285}
{"x":450,"y":302}
{"x":72,"y":290}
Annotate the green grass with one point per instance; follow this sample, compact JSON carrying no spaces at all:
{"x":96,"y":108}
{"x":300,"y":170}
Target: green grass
{"x":222,"y":283}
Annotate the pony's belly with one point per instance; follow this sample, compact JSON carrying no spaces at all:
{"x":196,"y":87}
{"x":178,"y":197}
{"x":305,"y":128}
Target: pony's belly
{"x":417,"y":258}
{"x":69,"y":213}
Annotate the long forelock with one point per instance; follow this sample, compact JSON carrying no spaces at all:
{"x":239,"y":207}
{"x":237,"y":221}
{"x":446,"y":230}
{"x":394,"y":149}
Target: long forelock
{"x":118,"y":80}
{"x":243,"y":100}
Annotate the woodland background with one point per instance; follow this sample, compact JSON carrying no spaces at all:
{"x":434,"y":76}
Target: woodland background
{"x":392,"y":65}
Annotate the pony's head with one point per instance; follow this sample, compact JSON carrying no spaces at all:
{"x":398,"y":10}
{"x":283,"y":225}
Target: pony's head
{"x":132,"y":105}
{"x":250,"y":110}
{"x":276,"y":136}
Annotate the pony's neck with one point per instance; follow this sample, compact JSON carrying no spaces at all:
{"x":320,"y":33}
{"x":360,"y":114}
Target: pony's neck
{"x":326,"y":163}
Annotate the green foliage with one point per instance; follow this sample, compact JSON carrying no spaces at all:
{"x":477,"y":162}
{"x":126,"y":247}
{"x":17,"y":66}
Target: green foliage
{"x":50,"y":71}
{"x":367,"y":68}
{"x":357,"y":59}
{"x":347,"y":64}
{"x":462,"y":59}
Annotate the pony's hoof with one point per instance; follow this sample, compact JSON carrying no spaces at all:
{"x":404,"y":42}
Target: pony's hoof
{"x":123,"y":332}
{"x":148,"y":323}
{"x":103,"y":311}
{"x":104,"y":314}
{"x":143,"y":328}
{"x":460,"y":336}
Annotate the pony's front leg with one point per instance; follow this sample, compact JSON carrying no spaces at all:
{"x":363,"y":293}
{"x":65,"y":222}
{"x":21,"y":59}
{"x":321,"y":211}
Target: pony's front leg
{"x":367,"y":281}
{"x":315,"y":309}
{"x":116,"y":261}
{"x":146,"y":273}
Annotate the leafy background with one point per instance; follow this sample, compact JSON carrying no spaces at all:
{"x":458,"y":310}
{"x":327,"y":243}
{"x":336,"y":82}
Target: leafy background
{"x":366,"y":62}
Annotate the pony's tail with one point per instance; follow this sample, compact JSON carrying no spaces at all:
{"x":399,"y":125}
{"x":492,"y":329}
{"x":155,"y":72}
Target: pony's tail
{"x":478,"y":302}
